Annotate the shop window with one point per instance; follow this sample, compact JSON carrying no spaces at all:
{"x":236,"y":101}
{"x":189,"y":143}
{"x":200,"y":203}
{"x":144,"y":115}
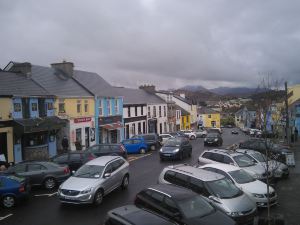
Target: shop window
{"x":108,"y":106}
{"x":86,"y":106}
{"x":61,"y":106}
{"x":78,"y":106}
{"x":35,"y":139}
{"x":154,"y":111}
{"x":116,"y":106}
{"x":34,"y":107}
{"x":100,"y":107}
{"x":159,"y":111}
{"x":17,"y":107}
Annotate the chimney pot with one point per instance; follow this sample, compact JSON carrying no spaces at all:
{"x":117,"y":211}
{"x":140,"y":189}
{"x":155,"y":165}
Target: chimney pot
{"x":66,"y":67}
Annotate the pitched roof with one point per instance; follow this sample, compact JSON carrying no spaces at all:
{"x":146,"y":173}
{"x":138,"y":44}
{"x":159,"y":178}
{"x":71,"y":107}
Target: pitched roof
{"x":182,"y":99}
{"x":183,"y":111}
{"x":17,"y":84}
{"x":205,"y":110}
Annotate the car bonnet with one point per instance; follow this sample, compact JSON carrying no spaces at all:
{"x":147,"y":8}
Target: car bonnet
{"x":78,"y":183}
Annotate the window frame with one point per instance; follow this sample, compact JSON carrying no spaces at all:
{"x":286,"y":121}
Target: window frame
{"x":86,"y":106}
{"x":34,"y":106}
{"x":78,"y":106}
{"x":116,"y":106}
{"x":17,"y":105}
{"x":100,"y":107}
{"x":108,"y":106}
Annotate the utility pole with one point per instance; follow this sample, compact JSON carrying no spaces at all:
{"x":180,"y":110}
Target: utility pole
{"x":287,"y":121}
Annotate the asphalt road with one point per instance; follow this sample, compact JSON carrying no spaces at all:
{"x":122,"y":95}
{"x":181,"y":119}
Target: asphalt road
{"x":44,"y":208}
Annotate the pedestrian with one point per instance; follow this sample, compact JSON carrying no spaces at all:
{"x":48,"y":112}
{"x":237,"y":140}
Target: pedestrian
{"x":296,"y":134}
{"x":65,"y":143}
{"x":78,"y":145}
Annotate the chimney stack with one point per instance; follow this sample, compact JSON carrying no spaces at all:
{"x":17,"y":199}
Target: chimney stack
{"x":182,"y":95}
{"x":24,"y":68}
{"x":148,"y":88}
{"x":66,"y":67}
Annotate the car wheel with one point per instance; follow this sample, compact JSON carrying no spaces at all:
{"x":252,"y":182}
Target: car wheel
{"x":125,"y":182}
{"x":49,"y":183}
{"x":142,"y":151}
{"x":161,"y":159}
{"x":181,"y":156}
{"x":8,"y":201}
{"x":98,"y":198}
{"x":193,"y":137}
{"x":152,"y":147}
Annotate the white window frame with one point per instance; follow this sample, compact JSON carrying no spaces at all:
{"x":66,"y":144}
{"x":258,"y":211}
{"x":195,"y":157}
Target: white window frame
{"x":116,"y":106}
{"x":108,"y":104}
{"x":100,"y":108}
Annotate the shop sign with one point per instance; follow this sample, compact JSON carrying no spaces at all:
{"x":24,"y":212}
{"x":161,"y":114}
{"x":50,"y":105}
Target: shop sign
{"x":82,"y":120}
{"x":110,"y":119}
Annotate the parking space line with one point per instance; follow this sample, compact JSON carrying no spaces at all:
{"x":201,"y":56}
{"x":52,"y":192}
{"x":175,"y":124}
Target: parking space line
{"x":5,"y":217}
{"x":135,"y":157}
{"x":49,"y":195}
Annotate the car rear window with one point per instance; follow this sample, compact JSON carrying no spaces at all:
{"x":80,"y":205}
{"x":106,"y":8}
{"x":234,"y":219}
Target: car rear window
{"x":149,"y":137}
{"x":115,"y":147}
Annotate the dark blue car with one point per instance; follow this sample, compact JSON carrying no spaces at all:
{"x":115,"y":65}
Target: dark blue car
{"x":135,"y":145}
{"x":12,"y":189}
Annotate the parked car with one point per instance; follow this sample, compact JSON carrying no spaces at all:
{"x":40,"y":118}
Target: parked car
{"x":95,"y":179}
{"x":135,"y":145}
{"x":180,"y":205}
{"x":46,"y":174}
{"x":255,"y":189}
{"x":74,"y":159}
{"x":179,"y":134}
{"x":191,"y":134}
{"x":276,"y":151}
{"x":153,"y":140}
{"x":132,"y":215}
{"x":166,"y":137}
{"x":215,"y":130}
{"x":278,"y":169}
{"x":255,"y":133}
{"x":216,"y":188}
{"x":108,"y":149}
{"x":235,"y":131}
{"x":200,"y":133}
{"x":176,"y":148}
{"x":236,"y":159}
{"x":213,"y":139}
{"x":13,"y":189}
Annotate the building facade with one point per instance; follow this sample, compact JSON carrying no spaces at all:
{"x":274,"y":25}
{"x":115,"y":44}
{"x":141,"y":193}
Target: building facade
{"x":208,"y":118}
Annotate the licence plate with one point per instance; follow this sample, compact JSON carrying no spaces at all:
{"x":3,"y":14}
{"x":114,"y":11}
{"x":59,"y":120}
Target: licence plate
{"x":68,"y":198}
{"x":167,"y":154}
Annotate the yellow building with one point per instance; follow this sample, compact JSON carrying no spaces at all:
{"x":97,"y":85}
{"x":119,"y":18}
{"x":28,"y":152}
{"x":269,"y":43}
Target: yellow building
{"x":208,"y":118}
{"x":185,"y":122}
{"x":293,"y":94}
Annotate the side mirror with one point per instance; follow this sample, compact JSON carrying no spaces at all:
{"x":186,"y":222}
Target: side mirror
{"x":106,"y":175}
{"x":73,"y":172}
{"x":214,"y":199}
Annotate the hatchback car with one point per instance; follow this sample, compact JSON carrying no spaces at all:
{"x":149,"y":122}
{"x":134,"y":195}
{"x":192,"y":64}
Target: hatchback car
{"x":234,"y":131}
{"x":74,"y":159}
{"x":180,"y":205}
{"x":47,"y":174}
{"x":94,"y":180}
{"x":13,"y":189}
{"x":213,"y":139}
{"x":176,"y":148}
{"x":191,"y":134}
{"x":132,"y":215}
{"x":108,"y":149}
{"x":236,"y":159}
{"x":200,"y":133}
{"x":216,"y":188}
{"x":255,"y":189}
{"x":152,"y":140}
{"x":135,"y":145}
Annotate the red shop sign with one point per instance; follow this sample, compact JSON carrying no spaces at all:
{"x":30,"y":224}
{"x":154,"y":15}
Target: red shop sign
{"x":82,"y":120}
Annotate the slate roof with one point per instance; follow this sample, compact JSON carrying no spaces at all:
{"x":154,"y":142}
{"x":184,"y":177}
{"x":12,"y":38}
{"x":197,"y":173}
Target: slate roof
{"x":183,"y":111}
{"x":182,"y":99}
{"x":205,"y":110}
{"x":17,"y":84}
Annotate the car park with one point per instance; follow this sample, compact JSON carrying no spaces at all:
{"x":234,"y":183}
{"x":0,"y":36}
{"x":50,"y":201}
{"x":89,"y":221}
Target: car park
{"x":108,"y":149}
{"x":255,"y":189}
{"x":216,"y":188}
{"x":152,"y":140}
{"x":236,"y":159}
{"x":201,"y":133}
{"x":95,"y":179}
{"x":74,"y":159}
{"x":13,"y":189}
{"x":132,"y":215}
{"x":166,"y":137}
{"x":40,"y":173}
{"x":191,"y":135}
{"x":176,"y":148}
{"x":135,"y":145}
{"x":213,"y":139}
{"x":181,"y":205}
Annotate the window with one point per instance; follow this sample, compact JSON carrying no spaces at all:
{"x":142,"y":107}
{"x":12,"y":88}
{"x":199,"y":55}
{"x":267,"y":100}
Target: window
{"x":159,"y":111}
{"x":34,"y":107}
{"x":100,"y":107}
{"x":136,"y":109}
{"x":207,"y":155}
{"x":139,"y":128}
{"x":116,"y":106}
{"x":86,"y":106}
{"x":157,"y":197}
{"x":196,"y":185}
{"x":187,"y":119}
{"x":165,"y":111}
{"x":217,"y":157}
{"x":149,"y":112}
{"x":133,"y":129}
{"x":129,"y":112}
{"x":142,"y":110}
{"x":170,"y":176}
{"x":61,"y":159}
{"x":117,"y":164}
{"x":108,"y":107}
{"x":144,"y":127}
{"x":108,"y":169}
{"x":50,"y":105}
{"x":78,"y":106}
{"x":35,"y":167}
{"x":227,"y":160}
{"x":170,"y":205}
{"x":20,"y":168}
{"x":181,"y":179}
{"x":17,"y":107}
{"x":154,"y":111}
{"x":165,"y":127}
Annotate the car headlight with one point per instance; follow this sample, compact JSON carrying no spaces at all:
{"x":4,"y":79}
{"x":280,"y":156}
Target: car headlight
{"x":216,"y":139}
{"x":160,"y":150}
{"x":258,"y":195}
{"x":176,"y":150}
{"x":86,"y":191}
{"x":233,"y":214}
{"x":205,"y":139}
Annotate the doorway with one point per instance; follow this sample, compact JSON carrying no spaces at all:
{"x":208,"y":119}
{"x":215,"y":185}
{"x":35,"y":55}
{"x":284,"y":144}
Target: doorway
{"x":87,"y":137}
{"x":3,"y":147}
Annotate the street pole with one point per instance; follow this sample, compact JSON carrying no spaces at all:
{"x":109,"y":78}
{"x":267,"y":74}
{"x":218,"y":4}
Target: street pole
{"x":287,"y":123}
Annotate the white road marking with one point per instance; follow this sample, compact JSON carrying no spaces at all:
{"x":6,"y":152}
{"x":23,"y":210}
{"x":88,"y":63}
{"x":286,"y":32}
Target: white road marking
{"x":49,"y":195}
{"x":5,"y":217}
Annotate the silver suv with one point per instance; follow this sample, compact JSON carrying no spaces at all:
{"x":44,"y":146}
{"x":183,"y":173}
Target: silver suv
{"x":236,"y":159}
{"x":217,"y":189}
{"x":95,"y":179}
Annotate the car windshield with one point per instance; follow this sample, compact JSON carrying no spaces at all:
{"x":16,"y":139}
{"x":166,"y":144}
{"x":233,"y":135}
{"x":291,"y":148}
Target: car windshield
{"x":243,"y":160}
{"x":259,"y":157}
{"x":89,"y":171}
{"x":212,"y":135}
{"x":241,"y":176}
{"x":195,"y":207}
{"x":223,"y":188}
{"x":173,"y":143}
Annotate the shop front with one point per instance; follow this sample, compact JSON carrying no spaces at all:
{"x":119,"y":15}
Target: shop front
{"x":152,"y":125}
{"x":110,"y":129}
{"x":6,"y":142}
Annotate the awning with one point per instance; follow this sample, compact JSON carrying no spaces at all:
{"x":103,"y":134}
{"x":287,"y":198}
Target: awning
{"x":38,"y":124}
{"x":112,"y":126}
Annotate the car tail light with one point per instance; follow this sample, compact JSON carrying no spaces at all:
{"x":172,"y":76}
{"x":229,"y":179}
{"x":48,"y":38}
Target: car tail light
{"x":66,"y":170}
{"x":91,"y":157}
{"x":22,"y":188}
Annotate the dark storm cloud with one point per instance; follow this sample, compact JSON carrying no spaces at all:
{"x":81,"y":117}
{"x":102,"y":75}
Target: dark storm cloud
{"x":169,"y":43}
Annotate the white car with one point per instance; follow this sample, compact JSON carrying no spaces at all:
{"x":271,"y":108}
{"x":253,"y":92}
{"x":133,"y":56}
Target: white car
{"x":165,"y":137}
{"x":255,"y":189}
{"x":192,"y":135}
{"x":200,"y":133}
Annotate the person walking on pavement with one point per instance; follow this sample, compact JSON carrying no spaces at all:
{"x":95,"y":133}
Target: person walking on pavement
{"x":65,"y":143}
{"x":296,"y":134}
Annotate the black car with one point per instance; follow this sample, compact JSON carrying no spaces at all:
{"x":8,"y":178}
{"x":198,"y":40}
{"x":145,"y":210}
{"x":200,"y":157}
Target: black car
{"x":47,"y":174}
{"x":154,"y":141}
{"x":180,"y":205}
{"x":176,"y":148}
{"x":74,"y":159}
{"x":213,"y":139}
{"x":131,"y":215}
{"x":234,"y":132}
{"x":108,"y":149}
{"x":277,"y":151}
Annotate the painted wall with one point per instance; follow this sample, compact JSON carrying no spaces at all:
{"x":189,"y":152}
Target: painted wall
{"x":17,"y":115}
{"x":208,"y":118}
{"x":50,"y":112}
{"x":5,"y":109}
{"x":185,"y":122}
{"x":33,"y":114}
{"x":296,"y":93}
{"x":160,"y":119}
{"x":9,"y":139}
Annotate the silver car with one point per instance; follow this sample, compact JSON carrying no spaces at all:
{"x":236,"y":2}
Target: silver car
{"x":94,"y":180}
{"x":217,"y":189}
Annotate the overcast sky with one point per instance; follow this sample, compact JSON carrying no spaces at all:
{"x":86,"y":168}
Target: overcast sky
{"x":169,"y":43}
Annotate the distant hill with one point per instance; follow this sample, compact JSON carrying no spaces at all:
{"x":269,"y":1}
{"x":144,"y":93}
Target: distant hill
{"x":194,"y":88}
{"x":236,"y":91}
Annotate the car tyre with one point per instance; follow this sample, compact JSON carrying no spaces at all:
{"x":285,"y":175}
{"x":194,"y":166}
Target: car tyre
{"x":181,"y":156}
{"x":190,"y":154}
{"x":8,"y":201}
{"x":142,"y":151}
{"x":152,"y":147}
{"x":125,"y":182}
{"x":98,"y":198}
{"x":49,"y":183}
